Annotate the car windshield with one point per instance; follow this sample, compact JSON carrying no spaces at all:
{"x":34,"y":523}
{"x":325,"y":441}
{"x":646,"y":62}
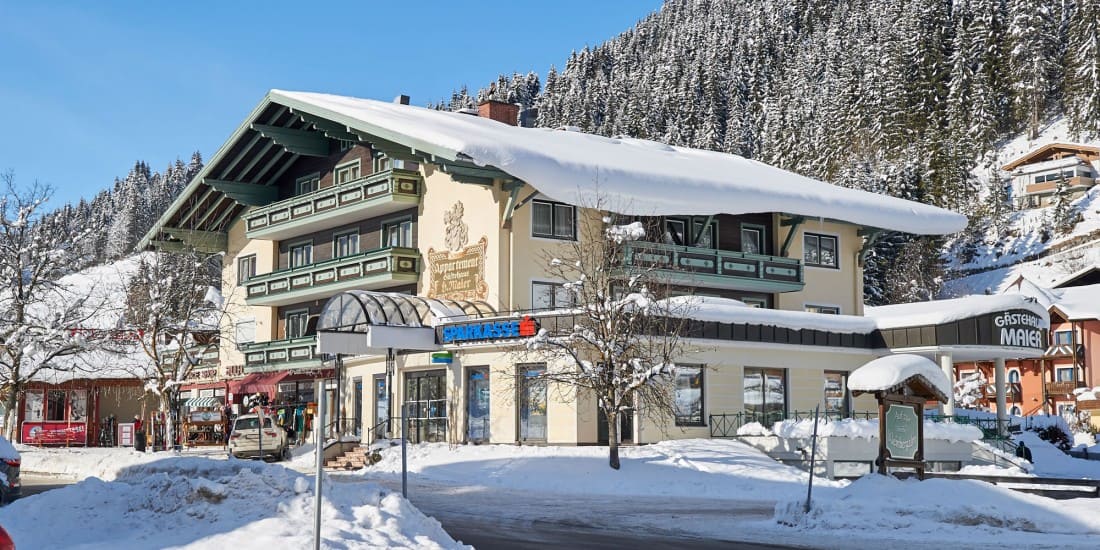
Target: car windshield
{"x":251,"y":423}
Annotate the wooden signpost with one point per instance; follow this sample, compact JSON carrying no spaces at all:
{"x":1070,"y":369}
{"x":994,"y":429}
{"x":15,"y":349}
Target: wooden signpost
{"x":900,"y":432}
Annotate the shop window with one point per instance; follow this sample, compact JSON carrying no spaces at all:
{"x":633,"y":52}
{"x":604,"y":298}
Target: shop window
{"x":689,"y":395}
{"x":297,"y":323}
{"x":828,"y":310}
{"x":819,"y":250}
{"x":301,"y":254}
{"x":1063,"y":338}
{"x":345,"y":244}
{"x":294,"y":393}
{"x":246,"y":268}
{"x":307,"y":184}
{"x":752,"y":239}
{"x":33,"y":407}
{"x":346,"y":172}
{"x":553,"y":220}
{"x":55,"y":405}
{"x":550,"y":296}
{"x":397,"y":234}
{"x":765,"y":394}
{"x":836,"y":394}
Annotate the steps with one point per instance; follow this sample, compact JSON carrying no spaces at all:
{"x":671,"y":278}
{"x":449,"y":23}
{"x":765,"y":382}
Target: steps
{"x":354,"y":459}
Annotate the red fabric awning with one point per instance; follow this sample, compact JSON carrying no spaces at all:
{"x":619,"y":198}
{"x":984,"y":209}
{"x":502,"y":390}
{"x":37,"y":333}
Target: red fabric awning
{"x":203,"y":386}
{"x":257,"y":382}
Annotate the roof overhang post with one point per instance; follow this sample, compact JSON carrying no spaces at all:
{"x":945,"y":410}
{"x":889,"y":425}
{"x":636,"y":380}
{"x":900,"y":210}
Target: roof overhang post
{"x":870,"y":237}
{"x":513,"y":188}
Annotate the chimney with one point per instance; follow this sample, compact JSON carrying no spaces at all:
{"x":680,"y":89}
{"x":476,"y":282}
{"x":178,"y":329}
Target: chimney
{"x":499,"y":111}
{"x":401,"y":99}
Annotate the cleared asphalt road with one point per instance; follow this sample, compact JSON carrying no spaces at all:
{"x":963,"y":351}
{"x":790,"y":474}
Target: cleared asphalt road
{"x":32,"y":484}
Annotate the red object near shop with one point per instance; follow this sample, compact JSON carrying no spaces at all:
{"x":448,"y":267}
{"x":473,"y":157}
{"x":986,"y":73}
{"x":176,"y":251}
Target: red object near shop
{"x":5,"y":540}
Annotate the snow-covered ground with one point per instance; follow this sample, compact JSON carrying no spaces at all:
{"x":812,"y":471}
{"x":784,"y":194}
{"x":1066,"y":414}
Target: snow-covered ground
{"x":195,"y":502}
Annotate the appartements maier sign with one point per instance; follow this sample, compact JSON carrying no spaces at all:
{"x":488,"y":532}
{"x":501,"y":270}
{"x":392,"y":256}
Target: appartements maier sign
{"x":459,"y":275}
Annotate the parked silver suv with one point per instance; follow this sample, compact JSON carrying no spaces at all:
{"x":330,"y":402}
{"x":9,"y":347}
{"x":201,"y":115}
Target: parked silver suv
{"x":246,"y":437}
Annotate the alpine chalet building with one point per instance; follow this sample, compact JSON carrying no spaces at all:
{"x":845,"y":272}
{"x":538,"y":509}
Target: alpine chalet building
{"x":414,"y":241}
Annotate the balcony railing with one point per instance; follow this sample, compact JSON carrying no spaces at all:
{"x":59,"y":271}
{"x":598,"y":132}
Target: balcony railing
{"x":717,"y":268}
{"x":1063,"y":388}
{"x":1049,"y":186}
{"x":377,"y":194}
{"x":377,"y":268}
{"x":281,"y":354}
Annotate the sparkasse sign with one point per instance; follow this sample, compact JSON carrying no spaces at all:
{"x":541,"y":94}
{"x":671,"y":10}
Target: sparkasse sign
{"x":490,"y":330}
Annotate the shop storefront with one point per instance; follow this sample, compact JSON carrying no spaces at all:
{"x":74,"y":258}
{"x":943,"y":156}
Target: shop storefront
{"x":80,"y":412}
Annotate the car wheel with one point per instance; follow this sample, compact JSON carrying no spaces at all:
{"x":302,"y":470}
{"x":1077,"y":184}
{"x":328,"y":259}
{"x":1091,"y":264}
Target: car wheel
{"x":285,"y":455}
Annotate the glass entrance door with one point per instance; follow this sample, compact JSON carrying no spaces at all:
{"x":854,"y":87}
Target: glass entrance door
{"x":426,"y":406}
{"x":532,"y":411}
{"x":357,"y":406}
{"x":477,"y":405}
{"x":381,"y":406}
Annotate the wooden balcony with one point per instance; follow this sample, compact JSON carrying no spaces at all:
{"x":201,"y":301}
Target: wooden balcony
{"x":371,"y":270}
{"x":1076,"y":182}
{"x":1063,"y":388}
{"x":284,"y":354}
{"x":727,"y":269}
{"x":378,"y":194}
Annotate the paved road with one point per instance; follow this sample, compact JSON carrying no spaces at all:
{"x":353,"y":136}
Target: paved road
{"x":33,"y":484}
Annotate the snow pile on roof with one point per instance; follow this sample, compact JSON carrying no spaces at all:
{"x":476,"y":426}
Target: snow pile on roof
{"x":945,"y":311}
{"x":890,"y":372}
{"x":958,"y":510}
{"x":726,"y":310}
{"x":1078,"y":302}
{"x":1086,"y":394}
{"x":1049,"y":165}
{"x":203,"y":503}
{"x":868,"y":429}
{"x":638,"y":176}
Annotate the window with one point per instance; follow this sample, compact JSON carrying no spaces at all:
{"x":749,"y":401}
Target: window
{"x":55,"y":405}
{"x":553,"y":220}
{"x":1066,"y":409}
{"x":1065,"y":374}
{"x":819,"y":250}
{"x":828,"y":310}
{"x":675,"y":232}
{"x":346,"y":172}
{"x":1014,"y":376}
{"x":297,"y":323}
{"x":32,"y":408}
{"x":246,"y":268}
{"x":301,"y":254}
{"x":397,"y":234}
{"x":307,"y":184}
{"x":246,"y":331}
{"x":345,"y":244}
{"x":754,"y":302}
{"x":765,"y":394}
{"x":836,"y":394}
{"x":1063,"y":338}
{"x":689,"y":396}
{"x":752,"y":239}
{"x":346,"y":144}
{"x":1015,"y":411}
{"x":550,"y":296}
{"x":706,"y":237}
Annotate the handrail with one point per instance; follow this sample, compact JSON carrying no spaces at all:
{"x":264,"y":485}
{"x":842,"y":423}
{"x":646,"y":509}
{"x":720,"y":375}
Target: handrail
{"x":374,"y":177}
{"x":326,"y":263}
{"x":727,"y":424}
{"x":715,"y":251}
{"x":254,"y":346}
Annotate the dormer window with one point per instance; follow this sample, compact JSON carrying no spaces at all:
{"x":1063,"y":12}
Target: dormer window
{"x":347,"y":172}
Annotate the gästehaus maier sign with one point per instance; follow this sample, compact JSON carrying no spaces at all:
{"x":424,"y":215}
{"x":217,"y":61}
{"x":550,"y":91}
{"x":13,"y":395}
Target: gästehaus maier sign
{"x":1010,"y":328}
{"x":1019,"y":329}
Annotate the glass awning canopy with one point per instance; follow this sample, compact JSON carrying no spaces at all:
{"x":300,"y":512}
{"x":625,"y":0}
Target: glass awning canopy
{"x":356,"y":310}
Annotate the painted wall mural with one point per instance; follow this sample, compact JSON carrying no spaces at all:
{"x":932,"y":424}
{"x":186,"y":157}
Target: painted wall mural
{"x":458,"y":273}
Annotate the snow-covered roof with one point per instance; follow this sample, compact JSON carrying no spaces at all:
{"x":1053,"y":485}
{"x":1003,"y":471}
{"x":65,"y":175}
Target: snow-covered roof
{"x":1074,"y":302}
{"x":1038,"y":151}
{"x":726,"y":310}
{"x":631,"y":176}
{"x":937,"y":312}
{"x":892,"y":371}
{"x":1049,"y":165}
{"x":125,"y":363}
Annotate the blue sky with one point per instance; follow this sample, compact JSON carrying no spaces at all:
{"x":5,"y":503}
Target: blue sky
{"x":90,"y":87}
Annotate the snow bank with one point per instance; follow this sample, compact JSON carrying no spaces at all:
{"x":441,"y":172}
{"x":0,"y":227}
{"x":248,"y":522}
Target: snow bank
{"x":945,"y":311}
{"x":754,"y":428}
{"x":688,"y":468}
{"x":202,"y":503}
{"x":633,"y":174}
{"x":7,"y":450}
{"x":726,"y":310}
{"x":952,"y":509}
{"x":101,"y":462}
{"x":891,"y":371}
{"x":1049,"y":461}
{"x":868,"y":429}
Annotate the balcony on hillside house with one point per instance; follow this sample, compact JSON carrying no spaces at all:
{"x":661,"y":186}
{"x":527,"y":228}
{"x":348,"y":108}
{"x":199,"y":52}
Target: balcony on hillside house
{"x":378,"y":194}
{"x":287,"y":354}
{"x":725,"y":269}
{"x":371,"y":270}
{"x":1075,"y":183}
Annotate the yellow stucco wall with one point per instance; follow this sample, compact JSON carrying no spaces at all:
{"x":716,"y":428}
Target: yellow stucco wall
{"x":266,"y":258}
{"x":841,"y":287}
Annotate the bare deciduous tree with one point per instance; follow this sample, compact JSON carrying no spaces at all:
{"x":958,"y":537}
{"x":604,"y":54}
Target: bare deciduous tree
{"x":625,"y":337}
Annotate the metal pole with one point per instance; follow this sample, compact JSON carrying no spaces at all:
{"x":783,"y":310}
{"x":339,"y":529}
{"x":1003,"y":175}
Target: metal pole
{"x":319,"y":432}
{"x":813,"y":457}
{"x":391,"y":365}
{"x":404,"y":453}
{"x":337,"y":367}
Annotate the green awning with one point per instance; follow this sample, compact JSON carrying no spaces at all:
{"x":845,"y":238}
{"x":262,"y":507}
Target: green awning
{"x":203,"y":402}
